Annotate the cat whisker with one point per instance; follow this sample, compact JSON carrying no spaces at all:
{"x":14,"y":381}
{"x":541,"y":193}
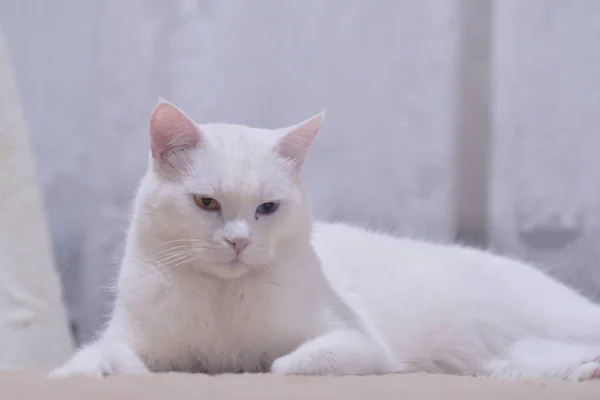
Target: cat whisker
{"x":185,"y":262}
{"x":155,"y":255}
{"x":182,"y":240}
{"x":174,"y":258}
{"x":176,"y":255}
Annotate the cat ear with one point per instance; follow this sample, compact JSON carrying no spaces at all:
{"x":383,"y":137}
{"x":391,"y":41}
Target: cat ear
{"x":171,"y":131}
{"x":295,"y":143}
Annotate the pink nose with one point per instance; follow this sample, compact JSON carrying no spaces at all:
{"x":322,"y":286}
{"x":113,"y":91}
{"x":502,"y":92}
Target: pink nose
{"x":238,"y":243}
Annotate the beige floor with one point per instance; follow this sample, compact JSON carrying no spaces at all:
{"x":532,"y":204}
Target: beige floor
{"x":181,"y":386}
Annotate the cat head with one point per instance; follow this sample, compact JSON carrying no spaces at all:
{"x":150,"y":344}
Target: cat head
{"x":225,"y":199}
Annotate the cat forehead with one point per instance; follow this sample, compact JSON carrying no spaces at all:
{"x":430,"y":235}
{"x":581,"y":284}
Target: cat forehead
{"x":227,"y":136}
{"x":239,"y":161}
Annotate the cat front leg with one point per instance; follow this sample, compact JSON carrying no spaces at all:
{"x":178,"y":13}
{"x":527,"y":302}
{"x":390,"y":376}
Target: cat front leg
{"x":345,"y":352}
{"x":102,"y":358}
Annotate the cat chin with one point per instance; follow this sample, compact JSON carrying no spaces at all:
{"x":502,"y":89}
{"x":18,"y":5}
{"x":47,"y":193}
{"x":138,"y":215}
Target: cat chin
{"x":229,"y":271}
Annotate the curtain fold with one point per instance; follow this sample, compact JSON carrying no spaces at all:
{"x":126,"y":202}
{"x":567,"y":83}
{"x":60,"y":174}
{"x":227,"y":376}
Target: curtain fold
{"x":34,"y":331}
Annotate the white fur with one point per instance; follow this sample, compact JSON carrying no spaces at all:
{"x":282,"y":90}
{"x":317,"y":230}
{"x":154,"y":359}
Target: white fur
{"x":449,"y":309}
{"x":328,"y":299}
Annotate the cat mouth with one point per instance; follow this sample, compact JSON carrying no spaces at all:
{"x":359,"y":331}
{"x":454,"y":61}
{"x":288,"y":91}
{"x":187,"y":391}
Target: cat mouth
{"x":237,"y":262}
{"x":233,"y":269}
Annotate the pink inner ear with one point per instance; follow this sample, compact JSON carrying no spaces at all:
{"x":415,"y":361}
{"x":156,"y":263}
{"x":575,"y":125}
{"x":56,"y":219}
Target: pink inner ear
{"x":171,"y":130}
{"x":294,"y":145}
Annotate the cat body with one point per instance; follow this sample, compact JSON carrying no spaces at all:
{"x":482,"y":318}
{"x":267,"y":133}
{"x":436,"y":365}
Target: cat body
{"x":224,"y":271}
{"x":444,"y":308}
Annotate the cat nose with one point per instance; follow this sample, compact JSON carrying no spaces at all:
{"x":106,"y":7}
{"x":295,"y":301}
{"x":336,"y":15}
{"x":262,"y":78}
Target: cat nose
{"x":238,"y":243}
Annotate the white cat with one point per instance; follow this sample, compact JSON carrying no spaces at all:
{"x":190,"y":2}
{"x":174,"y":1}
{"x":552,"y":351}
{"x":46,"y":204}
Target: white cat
{"x":224,"y":272}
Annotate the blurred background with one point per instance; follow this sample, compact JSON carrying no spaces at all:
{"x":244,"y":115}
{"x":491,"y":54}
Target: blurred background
{"x":474,"y":121}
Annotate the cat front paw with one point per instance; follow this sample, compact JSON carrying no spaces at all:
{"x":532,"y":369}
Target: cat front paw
{"x":100,"y":360}
{"x":338,"y":353}
{"x":293,"y":365}
{"x":91,"y":368}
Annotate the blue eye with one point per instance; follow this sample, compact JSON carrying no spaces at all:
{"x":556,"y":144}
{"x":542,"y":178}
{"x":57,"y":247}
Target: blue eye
{"x":267,"y":208}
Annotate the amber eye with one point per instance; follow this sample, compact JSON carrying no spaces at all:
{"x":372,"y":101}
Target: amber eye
{"x":207,"y":203}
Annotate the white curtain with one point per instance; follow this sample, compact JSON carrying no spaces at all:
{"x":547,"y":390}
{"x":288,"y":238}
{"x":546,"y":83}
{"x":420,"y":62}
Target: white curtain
{"x":469,"y":120}
{"x":34,"y":332}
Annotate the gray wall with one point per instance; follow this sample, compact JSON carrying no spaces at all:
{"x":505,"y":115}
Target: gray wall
{"x":468,"y":120}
